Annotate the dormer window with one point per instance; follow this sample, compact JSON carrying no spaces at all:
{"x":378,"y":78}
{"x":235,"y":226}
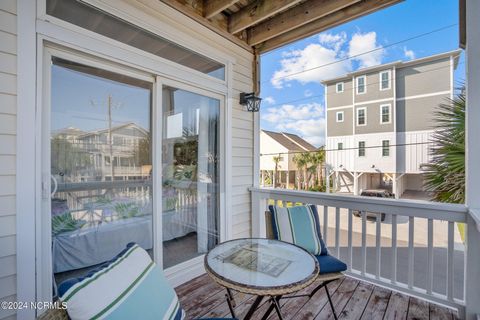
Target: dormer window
{"x":339,"y":87}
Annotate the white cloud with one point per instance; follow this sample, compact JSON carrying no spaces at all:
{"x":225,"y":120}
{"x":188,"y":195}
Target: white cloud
{"x":409,"y":54}
{"x":303,"y":65}
{"x":366,"y":42}
{"x":269,"y":100}
{"x":323,"y":60}
{"x":306,"y":120}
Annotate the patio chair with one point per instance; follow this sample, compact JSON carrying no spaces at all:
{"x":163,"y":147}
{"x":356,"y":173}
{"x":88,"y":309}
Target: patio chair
{"x":300,"y":225}
{"x":130,"y":286}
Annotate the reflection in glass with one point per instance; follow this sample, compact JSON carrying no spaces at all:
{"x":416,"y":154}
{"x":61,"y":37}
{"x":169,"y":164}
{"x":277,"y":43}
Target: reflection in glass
{"x":101,"y":166}
{"x":190,"y":164}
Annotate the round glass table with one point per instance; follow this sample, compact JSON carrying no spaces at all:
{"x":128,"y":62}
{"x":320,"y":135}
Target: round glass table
{"x":262,"y":267}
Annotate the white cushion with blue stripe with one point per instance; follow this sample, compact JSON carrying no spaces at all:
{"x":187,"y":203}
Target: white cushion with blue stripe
{"x":299,"y":225}
{"x":131,"y":286}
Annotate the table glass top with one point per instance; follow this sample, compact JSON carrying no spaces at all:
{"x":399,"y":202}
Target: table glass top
{"x":261,"y":263}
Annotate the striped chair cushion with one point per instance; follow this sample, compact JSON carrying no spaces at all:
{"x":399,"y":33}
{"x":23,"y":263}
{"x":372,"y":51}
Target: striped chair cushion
{"x":299,"y":225}
{"x":131,"y":286}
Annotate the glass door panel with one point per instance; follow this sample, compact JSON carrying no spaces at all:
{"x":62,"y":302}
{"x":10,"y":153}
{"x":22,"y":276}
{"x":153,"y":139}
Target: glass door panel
{"x":101,"y":166}
{"x":191,"y":175}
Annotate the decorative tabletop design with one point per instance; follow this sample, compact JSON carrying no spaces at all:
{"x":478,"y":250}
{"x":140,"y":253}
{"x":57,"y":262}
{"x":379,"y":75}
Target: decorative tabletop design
{"x":261,"y":266}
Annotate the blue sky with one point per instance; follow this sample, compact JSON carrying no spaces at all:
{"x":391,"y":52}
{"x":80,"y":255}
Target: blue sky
{"x":296,"y":103}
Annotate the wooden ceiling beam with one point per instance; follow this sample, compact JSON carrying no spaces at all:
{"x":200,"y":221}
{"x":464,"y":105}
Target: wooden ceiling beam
{"x":294,"y":18}
{"x":214,"y":7}
{"x":257,"y":12}
{"x":332,"y":20}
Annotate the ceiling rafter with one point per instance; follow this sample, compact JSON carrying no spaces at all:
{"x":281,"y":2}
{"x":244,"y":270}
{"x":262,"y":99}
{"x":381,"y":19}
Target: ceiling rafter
{"x":294,"y":18}
{"x":214,"y":7}
{"x":257,"y":12}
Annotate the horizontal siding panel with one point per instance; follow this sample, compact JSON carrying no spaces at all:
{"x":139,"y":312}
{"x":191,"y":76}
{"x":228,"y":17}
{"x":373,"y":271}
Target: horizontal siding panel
{"x":8,"y":266}
{"x":241,"y":218}
{"x":241,"y":133}
{"x":7,"y":205}
{"x":241,"y":227}
{"x":244,"y":80}
{"x":8,"y":314}
{"x":7,"y":165}
{"x":7,"y":226}
{"x":242,"y":209}
{"x":9,"y":6}
{"x":7,"y":245}
{"x":240,"y":112}
{"x":237,"y":142}
{"x":8,"y":286}
{"x":240,"y":235}
{"x":8,"y":103}
{"x":8,"y":124}
{"x":241,"y":199}
{"x":8,"y":42}
{"x":7,"y":145}
{"x":242,"y":87}
{"x":8,"y":22}
{"x":243,"y":124}
{"x":242,"y":171}
{"x":8,"y":63}
{"x":242,"y":152}
{"x":242,"y":181}
{"x":8,"y":83}
{"x":7,"y":185}
{"x":242,"y":162}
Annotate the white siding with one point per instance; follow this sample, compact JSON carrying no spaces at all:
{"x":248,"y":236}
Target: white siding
{"x":416,"y":150}
{"x":8,"y":90}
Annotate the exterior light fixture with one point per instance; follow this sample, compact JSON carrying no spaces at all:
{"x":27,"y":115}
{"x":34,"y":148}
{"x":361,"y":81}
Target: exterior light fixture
{"x":251,"y":101}
{"x":373,"y":166}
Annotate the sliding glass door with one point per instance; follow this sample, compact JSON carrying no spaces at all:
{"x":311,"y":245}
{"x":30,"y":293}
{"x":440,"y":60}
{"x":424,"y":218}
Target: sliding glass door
{"x":191,"y":174}
{"x":100,"y":166}
{"x":107,"y":133}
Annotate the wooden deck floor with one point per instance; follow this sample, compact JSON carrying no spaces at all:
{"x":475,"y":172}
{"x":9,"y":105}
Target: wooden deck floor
{"x":353,"y":299}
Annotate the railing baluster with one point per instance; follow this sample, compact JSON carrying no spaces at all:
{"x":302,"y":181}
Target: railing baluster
{"x":350,"y":234}
{"x":450,"y":251}
{"x":394,"y":249}
{"x":364,"y":242}
{"x":337,"y":231}
{"x":430,"y":257}
{"x":411,"y":230}
{"x":378,"y":245}
{"x":325,"y":224}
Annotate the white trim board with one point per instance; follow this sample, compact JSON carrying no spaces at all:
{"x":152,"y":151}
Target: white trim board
{"x":426,"y":95}
{"x":341,"y":107}
{"x":373,"y":101}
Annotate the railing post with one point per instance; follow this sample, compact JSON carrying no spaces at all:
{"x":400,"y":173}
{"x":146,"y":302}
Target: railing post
{"x":472,"y":274}
{"x":259,"y":205}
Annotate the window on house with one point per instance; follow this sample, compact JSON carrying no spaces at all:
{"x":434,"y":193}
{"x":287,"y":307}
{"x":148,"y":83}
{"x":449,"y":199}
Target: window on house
{"x":339,"y":87}
{"x":386,"y":148}
{"x":340,"y":146}
{"x":361,"y":148}
{"x":385,"y":113}
{"x":361,"y":84}
{"x":385,"y":80}
{"x":340,"y":116}
{"x":361,"y":116}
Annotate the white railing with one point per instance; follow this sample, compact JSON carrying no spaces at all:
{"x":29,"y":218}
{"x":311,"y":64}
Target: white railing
{"x":417,"y":249}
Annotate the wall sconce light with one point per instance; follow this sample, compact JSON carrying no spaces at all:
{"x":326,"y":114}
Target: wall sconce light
{"x":373,"y":166}
{"x":251,"y":101}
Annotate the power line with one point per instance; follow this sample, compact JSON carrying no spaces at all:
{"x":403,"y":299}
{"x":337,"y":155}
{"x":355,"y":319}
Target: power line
{"x":366,"y":52}
{"x":346,"y":149}
{"x":352,"y":88}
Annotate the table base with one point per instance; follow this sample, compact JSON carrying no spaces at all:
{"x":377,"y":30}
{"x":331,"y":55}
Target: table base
{"x":274,"y":305}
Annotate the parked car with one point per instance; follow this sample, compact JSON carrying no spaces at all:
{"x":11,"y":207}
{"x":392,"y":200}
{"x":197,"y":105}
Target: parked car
{"x":374,"y":193}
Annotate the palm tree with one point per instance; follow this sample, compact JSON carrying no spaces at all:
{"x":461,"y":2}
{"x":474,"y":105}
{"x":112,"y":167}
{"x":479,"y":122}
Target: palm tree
{"x":276,"y":160}
{"x":318,"y":160}
{"x":445,"y":175}
{"x":300,"y":161}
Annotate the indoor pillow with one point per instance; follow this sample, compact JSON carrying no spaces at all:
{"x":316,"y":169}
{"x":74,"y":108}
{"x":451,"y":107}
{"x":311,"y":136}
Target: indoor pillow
{"x":299,"y":225}
{"x":130,"y":286}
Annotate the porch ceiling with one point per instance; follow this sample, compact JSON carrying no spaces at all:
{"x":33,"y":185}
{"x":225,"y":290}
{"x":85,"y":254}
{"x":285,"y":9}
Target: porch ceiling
{"x":263,"y":25}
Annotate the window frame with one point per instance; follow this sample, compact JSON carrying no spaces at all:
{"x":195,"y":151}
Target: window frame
{"x":385,"y":148}
{"x":389,"y":79}
{"x":361,"y":149}
{"x":364,"y":77}
{"x":337,"y":114}
{"x":389,"y":105}
{"x":343,"y":87}
{"x":364,"y":109}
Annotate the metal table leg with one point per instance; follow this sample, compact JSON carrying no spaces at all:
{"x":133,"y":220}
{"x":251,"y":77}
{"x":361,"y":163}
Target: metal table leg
{"x":254,"y":307}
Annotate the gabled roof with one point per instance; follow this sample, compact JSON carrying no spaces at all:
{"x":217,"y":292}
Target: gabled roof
{"x":290,"y":141}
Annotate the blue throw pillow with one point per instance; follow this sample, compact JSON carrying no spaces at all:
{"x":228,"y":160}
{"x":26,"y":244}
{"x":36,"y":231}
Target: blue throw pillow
{"x":130,"y":286}
{"x":299,"y":225}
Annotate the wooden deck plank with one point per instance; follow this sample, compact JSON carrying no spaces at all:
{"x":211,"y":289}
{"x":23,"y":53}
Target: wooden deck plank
{"x":440,"y":313}
{"x":397,"y":307}
{"x":418,"y":309}
{"x":357,"y":303}
{"x":186,"y":288}
{"x":340,"y":298}
{"x":222,"y":310}
{"x":206,"y":305}
{"x":377,"y":304}
{"x":195,"y":297}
